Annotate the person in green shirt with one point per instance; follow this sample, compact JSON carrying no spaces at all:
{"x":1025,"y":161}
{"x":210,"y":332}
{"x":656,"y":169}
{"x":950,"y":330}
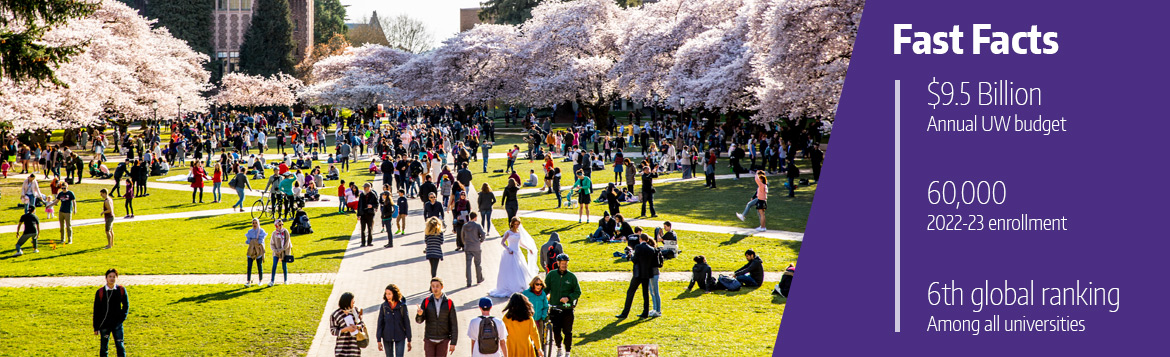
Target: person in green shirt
{"x":584,"y":186}
{"x":563,"y":292}
{"x":286,"y":188}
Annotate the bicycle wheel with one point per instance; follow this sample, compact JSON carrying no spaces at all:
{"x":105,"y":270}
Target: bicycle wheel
{"x":548,"y":339}
{"x":259,"y":209}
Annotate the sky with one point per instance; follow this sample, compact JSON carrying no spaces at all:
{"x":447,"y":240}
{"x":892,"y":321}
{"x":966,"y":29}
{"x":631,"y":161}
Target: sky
{"x":440,"y":16}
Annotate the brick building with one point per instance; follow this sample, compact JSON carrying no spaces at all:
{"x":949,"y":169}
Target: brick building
{"x":468,"y":18}
{"x":230,"y":21}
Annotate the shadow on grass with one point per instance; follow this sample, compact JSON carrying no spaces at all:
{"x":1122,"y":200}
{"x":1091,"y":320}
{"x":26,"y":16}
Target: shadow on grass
{"x":333,"y":253}
{"x":779,"y":299}
{"x":735,"y":239}
{"x":84,"y":251}
{"x":217,"y":296}
{"x":610,"y":330}
{"x":689,"y":294}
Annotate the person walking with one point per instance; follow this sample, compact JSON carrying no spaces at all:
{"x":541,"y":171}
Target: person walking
{"x":538,"y":296}
{"x":648,"y":175}
{"x":389,"y":212}
{"x":32,"y":230}
{"x":281,"y":247}
{"x":393,"y":333}
{"x":644,"y":260}
{"x":473,"y":237}
{"x":255,"y":241}
{"x":511,"y":206}
{"x":523,"y":340}
{"x":441,"y":322}
{"x":563,"y":293}
{"x":761,"y":197}
{"x":345,"y":323}
{"x":709,"y":168}
{"x":460,"y":210}
{"x":108,"y":217}
{"x":65,"y":216}
{"x":434,"y":243}
{"x":367,"y":206}
{"x":793,"y":173}
{"x":129,"y":199}
{"x":489,"y":335}
{"x":111,"y":306}
{"x":239,"y":183}
{"x":486,"y":200}
{"x":403,"y":208}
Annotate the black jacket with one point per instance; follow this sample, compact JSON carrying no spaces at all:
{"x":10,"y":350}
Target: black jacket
{"x":645,"y":261}
{"x":367,"y":199}
{"x":443,"y":325}
{"x":701,"y":275}
{"x":486,"y":201}
{"x":394,"y":324}
{"x":755,"y":268}
{"x":464,"y":177}
{"x":433,"y":209}
{"x":648,"y":182}
{"x":426,"y":189}
{"x":110,"y":308}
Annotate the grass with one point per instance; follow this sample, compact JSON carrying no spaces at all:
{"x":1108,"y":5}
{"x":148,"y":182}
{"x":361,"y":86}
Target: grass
{"x":690,"y":202}
{"x":724,"y":252}
{"x":499,"y":180}
{"x":689,"y":319}
{"x":205,"y":245}
{"x":90,"y":203}
{"x":190,"y":320}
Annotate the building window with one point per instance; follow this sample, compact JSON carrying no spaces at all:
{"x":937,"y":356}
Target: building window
{"x":235,"y":54}
{"x":222,"y":55}
{"x":245,"y":4}
{"x":223,"y":5}
{"x":234,"y":4}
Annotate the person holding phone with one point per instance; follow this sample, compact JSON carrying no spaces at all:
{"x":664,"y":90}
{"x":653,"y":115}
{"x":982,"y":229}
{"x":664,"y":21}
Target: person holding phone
{"x":345,"y":323}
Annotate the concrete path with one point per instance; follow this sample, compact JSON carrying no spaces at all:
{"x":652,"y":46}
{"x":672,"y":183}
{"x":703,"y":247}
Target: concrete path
{"x":774,"y":234}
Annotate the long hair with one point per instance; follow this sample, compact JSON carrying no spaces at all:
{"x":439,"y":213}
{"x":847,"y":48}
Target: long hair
{"x":393,"y":289}
{"x":485,"y":188}
{"x":518,"y":309}
{"x":434,"y":227}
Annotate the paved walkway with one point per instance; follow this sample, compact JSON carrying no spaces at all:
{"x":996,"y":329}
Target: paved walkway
{"x":771,"y":233}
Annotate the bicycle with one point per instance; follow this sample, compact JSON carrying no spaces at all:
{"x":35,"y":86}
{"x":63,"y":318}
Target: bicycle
{"x":547,"y":337}
{"x":262,"y":207}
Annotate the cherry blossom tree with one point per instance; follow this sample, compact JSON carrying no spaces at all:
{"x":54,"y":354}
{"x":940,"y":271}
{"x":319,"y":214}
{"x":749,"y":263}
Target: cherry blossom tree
{"x":712,"y":70}
{"x":240,"y":89}
{"x":477,"y":65}
{"x":357,"y":78}
{"x":567,"y":52}
{"x":808,"y":44}
{"x":125,"y":67}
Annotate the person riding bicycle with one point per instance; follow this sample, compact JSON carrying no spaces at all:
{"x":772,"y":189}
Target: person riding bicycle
{"x":563,"y":292}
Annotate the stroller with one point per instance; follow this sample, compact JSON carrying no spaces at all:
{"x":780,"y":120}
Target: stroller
{"x":301,"y":224}
{"x":569,"y":199}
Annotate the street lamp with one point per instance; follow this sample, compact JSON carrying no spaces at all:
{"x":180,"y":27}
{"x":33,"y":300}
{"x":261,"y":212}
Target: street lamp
{"x":154,"y":108}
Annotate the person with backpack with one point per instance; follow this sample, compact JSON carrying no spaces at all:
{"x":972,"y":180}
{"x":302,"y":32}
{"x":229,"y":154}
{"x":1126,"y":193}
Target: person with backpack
{"x":441,"y":322}
{"x":523,"y":340}
{"x":389,"y":213}
{"x":563,"y":291}
{"x":394,"y":323}
{"x":701,"y":276}
{"x":111,"y":305}
{"x":551,"y":250}
{"x":487,"y":333}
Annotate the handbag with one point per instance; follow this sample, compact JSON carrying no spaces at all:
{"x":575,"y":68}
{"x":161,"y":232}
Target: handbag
{"x":190,"y":177}
{"x":363,"y":339}
{"x":288,"y":258}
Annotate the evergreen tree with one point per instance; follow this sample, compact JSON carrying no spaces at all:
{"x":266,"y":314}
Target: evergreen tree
{"x":507,"y":12}
{"x":269,"y":45}
{"x":328,"y":19}
{"x":23,"y":56}
{"x":188,"y":20}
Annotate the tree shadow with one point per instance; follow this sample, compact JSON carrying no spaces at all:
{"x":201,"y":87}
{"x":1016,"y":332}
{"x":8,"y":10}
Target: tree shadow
{"x":689,"y":294}
{"x":734,"y":239}
{"x":217,"y":296}
{"x":333,"y":253}
{"x":84,"y":251}
{"x":609,"y":330}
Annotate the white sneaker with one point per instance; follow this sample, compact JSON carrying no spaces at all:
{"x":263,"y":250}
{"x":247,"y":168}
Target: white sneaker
{"x":270,"y":284}
{"x":567,"y":354}
{"x":739,"y":215}
{"x":655,"y":314}
{"x":560,"y":352}
{"x":760,"y":229}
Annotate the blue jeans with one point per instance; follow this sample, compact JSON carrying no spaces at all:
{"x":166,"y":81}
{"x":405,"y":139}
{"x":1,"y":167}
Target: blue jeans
{"x":216,"y":194}
{"x":749,"y":206}
{"x":394,"y":348}
{"x":654,"y":294}
{"x":283,"y":265}
{"x":485,"y":159}
{"x":511,"y":164}
{"x":747,"y":280}
{"x":240,"y":202}
{"x":486,"y":218}
{"x":118,"y":342}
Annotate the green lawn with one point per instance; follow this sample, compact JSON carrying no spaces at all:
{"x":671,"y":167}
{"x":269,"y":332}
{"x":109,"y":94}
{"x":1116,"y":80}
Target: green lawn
{"x":724,"y":252}
{"x":690,"y":202}
{"x":499,"y":180}
{"x":742,"y":323}
{"x":206,"y":245}
{"x":189,"y":320}
{"x":90,"y":203}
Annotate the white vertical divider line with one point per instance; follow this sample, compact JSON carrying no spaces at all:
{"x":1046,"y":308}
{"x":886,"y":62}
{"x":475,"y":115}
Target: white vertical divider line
{"x":897,"y":206}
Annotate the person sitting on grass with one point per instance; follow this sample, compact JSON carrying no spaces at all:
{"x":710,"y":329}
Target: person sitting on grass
{"x":606,"y":228}
{"x":531,"y":179}
{"x":752,"y":273}
{"x":701,"y":276}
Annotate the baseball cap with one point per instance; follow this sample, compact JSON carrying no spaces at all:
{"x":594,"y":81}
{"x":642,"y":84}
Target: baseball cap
{"x":485,"y":303}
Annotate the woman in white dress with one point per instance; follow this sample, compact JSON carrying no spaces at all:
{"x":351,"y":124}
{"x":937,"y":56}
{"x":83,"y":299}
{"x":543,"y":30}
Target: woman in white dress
{"x":517,"y":261}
